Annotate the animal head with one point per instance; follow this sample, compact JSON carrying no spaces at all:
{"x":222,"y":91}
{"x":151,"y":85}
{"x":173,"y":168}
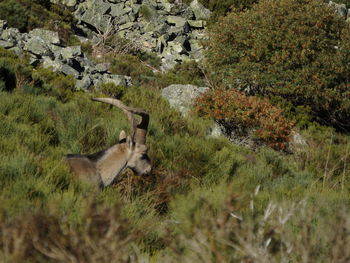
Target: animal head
{"x":137,"y":158}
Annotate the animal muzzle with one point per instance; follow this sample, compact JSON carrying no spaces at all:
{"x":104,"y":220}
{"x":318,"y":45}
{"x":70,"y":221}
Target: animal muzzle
{"x":147,"y":172}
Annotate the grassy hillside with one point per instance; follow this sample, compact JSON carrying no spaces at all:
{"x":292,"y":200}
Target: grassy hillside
{"x":207,"y":200}
{"x":187,"y":210}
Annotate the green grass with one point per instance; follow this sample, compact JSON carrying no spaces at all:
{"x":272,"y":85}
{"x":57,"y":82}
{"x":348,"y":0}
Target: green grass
{"x":182,"y":212}
{"x":208,"y":200}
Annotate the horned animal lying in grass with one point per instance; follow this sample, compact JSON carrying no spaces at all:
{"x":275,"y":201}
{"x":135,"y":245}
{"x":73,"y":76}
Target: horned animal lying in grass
{"x":103,"y":168}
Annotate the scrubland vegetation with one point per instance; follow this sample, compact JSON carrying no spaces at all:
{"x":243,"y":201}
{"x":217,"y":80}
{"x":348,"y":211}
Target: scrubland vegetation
{"x":29,"y":14}
{"x":207,"y":200}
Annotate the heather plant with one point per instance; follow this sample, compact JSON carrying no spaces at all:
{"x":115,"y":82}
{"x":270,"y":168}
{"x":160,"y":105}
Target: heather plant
{"x":144,"y":70}
{"x":13,"y":72}
{"x":15,"y":14}
{"x":207,"y":200}
{"x":26,"y":15}
{"x":295,"y":50}
{"x":131,"y":65}
{"x":189,"y":72}
{"x":53,"y":84}
{"x":199,"y":187}
{"x":111,"y":90}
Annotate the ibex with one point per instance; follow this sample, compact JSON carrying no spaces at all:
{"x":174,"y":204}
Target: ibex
{"x":102,"y":168}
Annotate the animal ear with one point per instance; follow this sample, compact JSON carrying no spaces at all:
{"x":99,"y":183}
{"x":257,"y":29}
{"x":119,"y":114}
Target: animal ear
{"x":122,"y":136}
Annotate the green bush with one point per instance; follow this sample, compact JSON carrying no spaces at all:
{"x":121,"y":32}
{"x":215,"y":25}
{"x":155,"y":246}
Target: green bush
{"x":130,"y":65}
{"x":53,"y":84}
{"x":296,"y":50}
{"x":187,"y":209}
{"x":144,"y":70}
{"x":146,"y":12}
{"x":185,"y":73}
{"x":27,"y":15}
{"x":15,"y":14}
{"x":14,"y":72}
{"x":111,"y":90}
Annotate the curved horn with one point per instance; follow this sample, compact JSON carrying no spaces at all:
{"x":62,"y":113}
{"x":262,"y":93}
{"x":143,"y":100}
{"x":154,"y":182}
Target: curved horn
{"x":139,"y":133}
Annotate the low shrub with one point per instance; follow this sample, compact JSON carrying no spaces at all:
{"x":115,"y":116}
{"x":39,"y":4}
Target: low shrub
{"x":146,"y":12}
{"x":296,"y":50}
{"x":130,"y":65}
{"x":14,"y":72}
{"x":200,"y":204}
{"x":111,"y":90}
{"x":27,"y":15}
{"x":53,"y":84}
{"x":15,"y":14}
{"x":185,"y":73}
{"x":242,"y":115}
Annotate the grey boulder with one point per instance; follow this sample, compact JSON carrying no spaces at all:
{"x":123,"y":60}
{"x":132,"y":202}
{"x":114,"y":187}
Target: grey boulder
{"x":182,"y":97}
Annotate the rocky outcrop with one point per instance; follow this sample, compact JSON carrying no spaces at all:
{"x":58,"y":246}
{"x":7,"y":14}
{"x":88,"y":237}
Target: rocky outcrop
{"x":44,"y":48}
{"x":181,"y":97}
{"x":340,"y":9}
{"x":172,"y":30}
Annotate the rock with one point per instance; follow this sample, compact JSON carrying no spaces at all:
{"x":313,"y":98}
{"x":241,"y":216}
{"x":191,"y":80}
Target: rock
{"x":181,"y":97}
{"x":96,"y":79}
{"x":18,"y":51}
{"x":160,"y":30}
{"x":84,"y":83}
{"x":100,"y":7}
{"x":70,"y":52}
{"x":152,"y":24}
{"x":126,"y":26}
{"x":102,"y":67}
{"x":6,"y":44}
{"x":118,"y":10}
{"x":167,"y":7}
{"x":177,"y":9}
{"x":196,"y":49}
{"x":34,"y":61}
{"x":118,"y":80}
{"x":10,"y":34}
{"x":197,"y":24}
{"x":95,"y":20}
{"x":216,"y":131}
{"x":297,"y":139}
{"x":177,"y":21}
{"x":174,"y":48}
{"x":188,"y":14}
{"x":56,"y":50}
{"x":69,"y":3}
{"x":38,"y":46}
{"x":199,"y":10}
{"x":75,"y":64}
{"x":339,"y":8}
{"x":68,"y":70}
{"x":48,"y":36}
{"x":58,"y":66}
{"x":3,"y":24}
{"x":55,"y":65}
{"x":95,"y":14}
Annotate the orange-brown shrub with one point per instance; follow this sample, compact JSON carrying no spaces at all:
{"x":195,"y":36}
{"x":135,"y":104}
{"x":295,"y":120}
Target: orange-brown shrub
{"x":246,"y":115}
